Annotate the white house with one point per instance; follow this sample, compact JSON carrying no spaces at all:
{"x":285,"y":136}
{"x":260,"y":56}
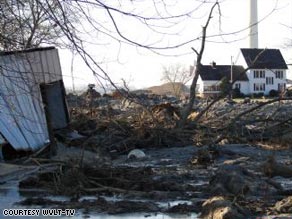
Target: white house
{"x":211,"y":75}
{"x":266,"y":71}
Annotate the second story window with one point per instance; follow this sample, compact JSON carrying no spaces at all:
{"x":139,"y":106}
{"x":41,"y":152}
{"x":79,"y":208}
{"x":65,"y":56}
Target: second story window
{"x":279,"y":74}
{"x":259,"y":74}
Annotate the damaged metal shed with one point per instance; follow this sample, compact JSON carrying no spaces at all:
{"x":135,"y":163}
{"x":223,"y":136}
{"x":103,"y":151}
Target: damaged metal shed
{"x":29,"y":81}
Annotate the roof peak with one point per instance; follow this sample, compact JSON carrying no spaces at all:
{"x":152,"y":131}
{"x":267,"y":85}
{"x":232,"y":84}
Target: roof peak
{"x":259,"y":49}
{"x":264,"y":58}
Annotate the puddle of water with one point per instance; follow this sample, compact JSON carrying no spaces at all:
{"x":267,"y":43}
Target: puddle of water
{"x":286,"y":183}
{"x":199,"y":183}
{"x":9,"y":195}
{"x":146,"y":216}
{"x":173,"y":203}
{"x":87,"y":198}
{"x":165,"y":204}
{"x":274,"y":217}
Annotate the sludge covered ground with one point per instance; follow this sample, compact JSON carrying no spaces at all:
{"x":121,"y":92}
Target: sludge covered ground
{"x":225,"y":166}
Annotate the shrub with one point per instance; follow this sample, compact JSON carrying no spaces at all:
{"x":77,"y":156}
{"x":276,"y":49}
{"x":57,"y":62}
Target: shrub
{"x":236,"y":93}
{"x":274,"y":93}
{"x":258,"y":95}
{"x":224,"y":86}
{"x":289,"y":93}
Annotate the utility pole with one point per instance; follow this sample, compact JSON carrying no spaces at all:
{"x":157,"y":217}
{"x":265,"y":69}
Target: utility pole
{"x":231,"y":79}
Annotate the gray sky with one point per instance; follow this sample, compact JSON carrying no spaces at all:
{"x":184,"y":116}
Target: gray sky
{"x":142,"y":68}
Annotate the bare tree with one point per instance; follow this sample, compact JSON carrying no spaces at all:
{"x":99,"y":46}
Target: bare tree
{"x":30,"y":23}
{"x":178,"y":76}
{"x":106,"y":27}
{"x":27,"y":24}
{"x":198,"y":67}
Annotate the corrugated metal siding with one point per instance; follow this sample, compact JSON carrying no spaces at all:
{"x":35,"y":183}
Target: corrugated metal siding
{"x":22,"y":117}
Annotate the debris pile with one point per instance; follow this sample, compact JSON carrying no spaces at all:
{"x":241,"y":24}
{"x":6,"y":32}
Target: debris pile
{"x":154,"y":120}
{"x":230,"y":162}
{"x":255,"y":122}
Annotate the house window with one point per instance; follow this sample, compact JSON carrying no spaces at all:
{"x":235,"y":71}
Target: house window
{"x":237,"y":85}
{"x":279,"y":74}
{"x":259,"y":74}
{"x":259,"y":87}
{"x":269,"y":80}
{"x":281,"y":87}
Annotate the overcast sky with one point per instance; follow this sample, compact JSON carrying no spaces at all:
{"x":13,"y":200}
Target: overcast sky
{"x":142,"y":68}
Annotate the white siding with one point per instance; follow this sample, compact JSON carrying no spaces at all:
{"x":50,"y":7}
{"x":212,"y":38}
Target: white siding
{"x":268,"y":73}
{"x":244,"y":87}
{"x":200,"y":85}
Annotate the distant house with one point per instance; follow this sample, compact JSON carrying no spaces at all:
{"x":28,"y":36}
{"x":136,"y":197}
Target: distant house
{"x":266,"y":71}
{"x":211,"y":76}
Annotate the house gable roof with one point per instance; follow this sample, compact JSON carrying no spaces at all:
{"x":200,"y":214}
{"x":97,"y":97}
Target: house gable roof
{"x":264,"y":58}
{"x":218,"y":72}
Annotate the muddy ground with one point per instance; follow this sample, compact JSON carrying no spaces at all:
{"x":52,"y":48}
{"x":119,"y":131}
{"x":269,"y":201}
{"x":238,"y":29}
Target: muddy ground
{"x":232,"y":163}
{"x":186,"y":176}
